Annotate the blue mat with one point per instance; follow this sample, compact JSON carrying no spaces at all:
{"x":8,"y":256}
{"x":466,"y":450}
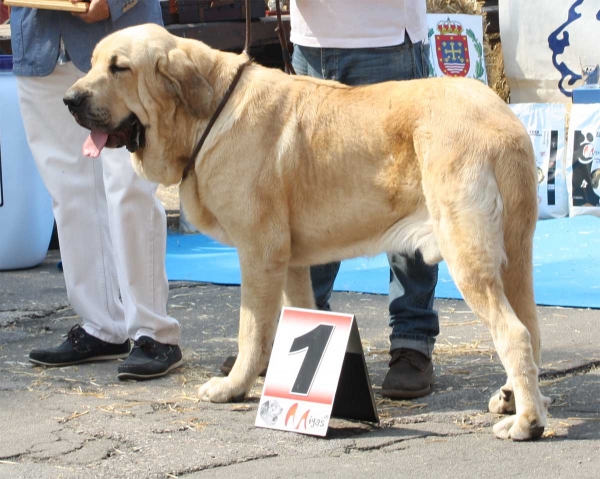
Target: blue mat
{"x":566,"y":265}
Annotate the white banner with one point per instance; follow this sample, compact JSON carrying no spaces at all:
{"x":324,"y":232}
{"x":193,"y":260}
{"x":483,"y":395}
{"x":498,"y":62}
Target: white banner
{"x":542,"y":43}
{"x":545,"y":124}
{"x":583,"y":160}
{"x":456,"y":46}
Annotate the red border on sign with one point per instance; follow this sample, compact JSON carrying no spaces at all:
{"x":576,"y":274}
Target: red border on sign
{"x":285,"y":394}
{"x":306,"y":316}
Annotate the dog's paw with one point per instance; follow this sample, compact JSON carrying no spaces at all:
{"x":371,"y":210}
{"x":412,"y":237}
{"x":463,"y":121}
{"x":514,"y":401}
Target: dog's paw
{"x":547,"y":401}
{"x":220,"y":390}
{"x":502,"y":402}
{"x":519,"y":428}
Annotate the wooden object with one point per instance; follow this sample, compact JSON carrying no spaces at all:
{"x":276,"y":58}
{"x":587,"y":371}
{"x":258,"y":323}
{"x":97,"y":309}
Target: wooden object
{"x":65,"y":5}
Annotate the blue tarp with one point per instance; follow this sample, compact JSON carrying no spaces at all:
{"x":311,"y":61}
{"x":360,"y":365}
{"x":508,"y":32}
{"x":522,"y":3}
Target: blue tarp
{"x":566,"y":265}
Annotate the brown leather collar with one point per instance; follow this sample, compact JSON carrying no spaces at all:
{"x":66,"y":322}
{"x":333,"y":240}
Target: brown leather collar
{"x":213,"y":120}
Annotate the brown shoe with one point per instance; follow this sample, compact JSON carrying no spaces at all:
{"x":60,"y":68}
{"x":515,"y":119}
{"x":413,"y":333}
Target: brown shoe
{"x":227,"y":366}
{"x":410,"y":375}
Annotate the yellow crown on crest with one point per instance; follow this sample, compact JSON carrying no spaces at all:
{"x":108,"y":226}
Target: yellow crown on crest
{"x":449,"y":27}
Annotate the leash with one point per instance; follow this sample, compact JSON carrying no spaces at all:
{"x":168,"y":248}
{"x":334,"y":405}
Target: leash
{"x":285,"y":48}
{"x":288,"y":68}
{"x":212,"y":121}
{"x":228,"y":92}
{"x":247,"y":44}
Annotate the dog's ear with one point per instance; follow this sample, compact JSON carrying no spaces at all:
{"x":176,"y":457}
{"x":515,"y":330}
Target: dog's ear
{"x":186,"y":82}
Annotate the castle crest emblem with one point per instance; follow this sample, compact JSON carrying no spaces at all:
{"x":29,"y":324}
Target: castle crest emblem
{"x":452,"y":49}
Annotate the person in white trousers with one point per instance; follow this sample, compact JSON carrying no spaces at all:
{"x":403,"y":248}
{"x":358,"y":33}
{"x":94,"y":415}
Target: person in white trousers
{"x":111,"y":227}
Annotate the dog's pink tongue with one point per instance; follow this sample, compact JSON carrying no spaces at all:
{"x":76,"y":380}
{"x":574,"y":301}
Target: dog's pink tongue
{"x":94,"y":144}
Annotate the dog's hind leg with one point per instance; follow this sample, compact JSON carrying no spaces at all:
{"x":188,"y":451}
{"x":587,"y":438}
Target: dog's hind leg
{"x":468,"y":224}
{"x":298,"y":291}
{"x":263,"y":276}
{"x":517,"y":279}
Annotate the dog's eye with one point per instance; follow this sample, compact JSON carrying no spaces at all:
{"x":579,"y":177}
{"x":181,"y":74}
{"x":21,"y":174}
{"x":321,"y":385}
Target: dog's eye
{"x":114,"y":69}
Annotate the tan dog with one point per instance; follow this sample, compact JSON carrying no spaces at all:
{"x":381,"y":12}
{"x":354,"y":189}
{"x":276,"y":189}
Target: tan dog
{"x":299,"y":171}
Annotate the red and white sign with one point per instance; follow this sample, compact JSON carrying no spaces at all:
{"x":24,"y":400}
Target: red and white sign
{"x":304,"y":371}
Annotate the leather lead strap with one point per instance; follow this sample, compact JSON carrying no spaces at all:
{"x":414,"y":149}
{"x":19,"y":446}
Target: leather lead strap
{"x":248,"y":20}
{"x":212,"y":121}
{"x":285,"y":49}
{"x":288,"y":68}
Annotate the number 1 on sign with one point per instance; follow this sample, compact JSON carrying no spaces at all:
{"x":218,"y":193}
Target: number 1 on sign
{"x":314,"y":343}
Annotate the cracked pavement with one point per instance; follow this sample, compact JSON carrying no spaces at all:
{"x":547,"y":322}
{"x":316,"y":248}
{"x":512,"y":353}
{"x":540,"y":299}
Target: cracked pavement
{"x":81,"y":421}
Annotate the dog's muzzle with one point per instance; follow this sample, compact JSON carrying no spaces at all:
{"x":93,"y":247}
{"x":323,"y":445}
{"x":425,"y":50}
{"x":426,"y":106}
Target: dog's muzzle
{"x":129,"y":133}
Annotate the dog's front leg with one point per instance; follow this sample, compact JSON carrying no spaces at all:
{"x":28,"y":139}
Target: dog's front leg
{"x":262,"y":290}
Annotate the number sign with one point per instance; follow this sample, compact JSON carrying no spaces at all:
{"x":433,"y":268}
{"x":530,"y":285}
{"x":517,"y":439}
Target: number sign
{"x":315,"y":355}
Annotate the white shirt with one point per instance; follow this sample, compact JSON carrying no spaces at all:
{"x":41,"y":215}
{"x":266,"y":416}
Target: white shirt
{"x":357,"y":23}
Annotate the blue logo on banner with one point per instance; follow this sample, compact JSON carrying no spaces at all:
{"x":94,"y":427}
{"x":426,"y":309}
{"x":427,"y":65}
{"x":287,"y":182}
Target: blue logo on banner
{"x":559,"y":40}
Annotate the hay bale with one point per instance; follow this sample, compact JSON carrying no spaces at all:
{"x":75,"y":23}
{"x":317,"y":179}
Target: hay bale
{"x":468,"y":7}
{"x":491,"y":45}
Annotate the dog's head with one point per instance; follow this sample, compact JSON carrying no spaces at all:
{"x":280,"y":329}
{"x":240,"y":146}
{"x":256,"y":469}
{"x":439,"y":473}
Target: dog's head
{"x":147,"y":91}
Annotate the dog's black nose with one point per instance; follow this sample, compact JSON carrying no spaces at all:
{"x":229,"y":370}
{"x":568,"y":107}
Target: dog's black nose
{"x":74,"y":99}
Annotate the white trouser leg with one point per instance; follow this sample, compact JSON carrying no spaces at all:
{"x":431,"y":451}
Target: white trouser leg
{"x":98,"y":259}
{"x":138,"y":226}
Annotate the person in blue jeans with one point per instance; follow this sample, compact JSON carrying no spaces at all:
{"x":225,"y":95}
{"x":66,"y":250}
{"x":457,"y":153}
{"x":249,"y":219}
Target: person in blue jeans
{"x":360,"y":43}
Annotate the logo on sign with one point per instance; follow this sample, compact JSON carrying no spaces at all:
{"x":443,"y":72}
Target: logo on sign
{"x":270,"y":411}
{"x":452,"y":49}
{"x":458,"y":49}
{"x":586,"y":148}
{"x":455,"y":46}
{"x":290,"y":417}
{"x":571,"y":35}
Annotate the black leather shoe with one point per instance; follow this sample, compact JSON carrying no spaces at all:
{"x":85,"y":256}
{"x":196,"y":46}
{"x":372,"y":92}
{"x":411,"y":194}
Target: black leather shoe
{"x":410,"y":375}
{"x":79,"y":347}
{"x":150,"y":359}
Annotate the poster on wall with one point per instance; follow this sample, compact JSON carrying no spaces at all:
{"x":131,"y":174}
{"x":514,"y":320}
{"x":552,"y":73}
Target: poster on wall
{"x":545,"y":124}
{"x":583,"y":160}
{"x":543,"y":42}
{"x":456,"y":46}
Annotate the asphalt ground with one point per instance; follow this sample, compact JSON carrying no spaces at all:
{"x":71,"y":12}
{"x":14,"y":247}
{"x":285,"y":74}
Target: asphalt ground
{"x":80,"y":422}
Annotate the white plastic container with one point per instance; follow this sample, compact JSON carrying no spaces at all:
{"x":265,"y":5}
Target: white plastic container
{"x":26,"y":218}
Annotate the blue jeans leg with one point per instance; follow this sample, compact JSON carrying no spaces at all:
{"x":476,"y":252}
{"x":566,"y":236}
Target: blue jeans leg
{"x":322,"y":278}
{"x":413,"y":320}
